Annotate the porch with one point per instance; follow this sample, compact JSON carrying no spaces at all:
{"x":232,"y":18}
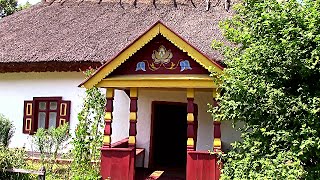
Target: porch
{"x":168,"y":85}
{"x":171,"y":127}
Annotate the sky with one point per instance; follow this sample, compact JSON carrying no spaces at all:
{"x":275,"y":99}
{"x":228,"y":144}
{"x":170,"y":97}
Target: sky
{"x":30,"y":1}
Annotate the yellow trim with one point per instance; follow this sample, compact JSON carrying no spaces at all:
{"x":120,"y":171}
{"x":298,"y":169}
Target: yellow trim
{"x":139,"y":43}
{"x":106,"y":139}
{"x":133,"y":116}
{"x":190,"y":142}
{"x":190,"y":93}
{"x":28,"y":128}
{"x":160,"y":81}
{"x":29,"y":109}
{"x":190,"y":117}
{"x":132,"y":140}
{"x":62,"y":120}
{"x":133,"y":92}
{"x":157,"y":84}
{"x":63,"y":111}
{"x":217,"y":142}
{"x":108,"y":116}
{"x":110,"y":92}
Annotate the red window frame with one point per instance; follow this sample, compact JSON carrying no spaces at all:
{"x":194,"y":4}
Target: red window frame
{"x":47,"y":100}
{"x":31,"y":113}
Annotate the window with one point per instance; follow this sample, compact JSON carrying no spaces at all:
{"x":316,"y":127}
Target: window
{"x":45,"y":112}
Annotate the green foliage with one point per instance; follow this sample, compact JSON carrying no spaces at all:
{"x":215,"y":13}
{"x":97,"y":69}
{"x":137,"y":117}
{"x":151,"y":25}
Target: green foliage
{"x":272,"y":84}
{"x":50,"y":141}
{"x":6,"y":130}
{"x":59,"y":136}
{"x":23,"y":6}
{"x":12,"y":158}
{"x":8,"y":7}
{"x":88,"y":135}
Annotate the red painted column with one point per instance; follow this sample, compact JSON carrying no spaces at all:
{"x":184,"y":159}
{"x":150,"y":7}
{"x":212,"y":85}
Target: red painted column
{"x":190,"y":121}
{"x":133,"y":116}
{"x":108,"y":118}
{"x":216,"y":127}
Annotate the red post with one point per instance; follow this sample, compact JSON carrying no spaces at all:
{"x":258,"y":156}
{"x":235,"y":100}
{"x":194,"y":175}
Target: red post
{"x":108,"y":118}
{"x":133,"y":116}
{"x":216,"y":127}
{"x":190,"y":121}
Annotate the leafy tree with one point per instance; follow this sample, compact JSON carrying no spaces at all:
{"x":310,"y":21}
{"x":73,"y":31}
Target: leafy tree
{"x":8,"y":7}
{"x":272,"y":84}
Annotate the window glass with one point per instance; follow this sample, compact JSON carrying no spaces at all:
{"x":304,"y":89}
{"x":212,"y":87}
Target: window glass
{"x":42,"y":105}
{"x":53,"y":105}
{"x":41,"y":119}
{"x":52,"y":119}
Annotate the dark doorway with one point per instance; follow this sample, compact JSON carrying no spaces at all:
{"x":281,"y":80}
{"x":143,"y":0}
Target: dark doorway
{"x":169,"y":137}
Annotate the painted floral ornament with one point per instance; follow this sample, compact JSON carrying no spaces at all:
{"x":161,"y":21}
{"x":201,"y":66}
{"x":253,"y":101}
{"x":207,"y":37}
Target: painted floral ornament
{"x":141,"y":66}
{"x":162,"y":56}
{"x":185,"y":65}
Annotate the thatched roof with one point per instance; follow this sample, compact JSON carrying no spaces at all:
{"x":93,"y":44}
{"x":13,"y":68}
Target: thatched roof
{"x":88,"y":31}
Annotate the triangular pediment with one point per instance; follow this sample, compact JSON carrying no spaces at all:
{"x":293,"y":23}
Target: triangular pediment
{"x":159,"y":56}
{"x":158,"y":51}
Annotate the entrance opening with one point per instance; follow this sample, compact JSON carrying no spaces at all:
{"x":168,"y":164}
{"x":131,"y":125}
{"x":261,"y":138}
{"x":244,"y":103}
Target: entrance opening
{"x":169,"y":140}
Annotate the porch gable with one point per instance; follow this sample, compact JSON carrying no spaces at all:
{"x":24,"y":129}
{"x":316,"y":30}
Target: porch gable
{"x":115,"y":69}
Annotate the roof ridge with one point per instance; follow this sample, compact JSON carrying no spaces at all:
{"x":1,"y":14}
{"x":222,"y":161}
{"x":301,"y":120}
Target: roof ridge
{"x":155,"y":3}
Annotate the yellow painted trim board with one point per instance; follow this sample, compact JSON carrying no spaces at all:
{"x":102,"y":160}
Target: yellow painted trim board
{"x":190,"y":117}
{"x":157,"y":84}
{"x":190,"y":142}
{"x":132,"y":140}
{"x":110,"y":92}
{"x":133,"y":116}
{"x":190,"y":93}
{"x":133,"y":92}
{"x":159,"y":28}
{"x":106,"y":139}
{"x":108,"y":116}
{"x":217,"y":142}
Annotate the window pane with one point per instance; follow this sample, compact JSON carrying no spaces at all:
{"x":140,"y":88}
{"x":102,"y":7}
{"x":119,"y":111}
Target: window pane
{"x":52,"y":119}
{"x":42,"y":105}
{"x":41,"y":119}
{"x":53,"y":105}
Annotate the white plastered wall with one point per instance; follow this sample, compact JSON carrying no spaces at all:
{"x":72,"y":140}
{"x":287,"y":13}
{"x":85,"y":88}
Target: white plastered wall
{"x":15,"y":88}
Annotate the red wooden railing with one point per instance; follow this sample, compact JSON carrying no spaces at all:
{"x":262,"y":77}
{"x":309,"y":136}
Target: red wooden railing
{"x":121,"y":144}
{"x":118,"y":162}
{"x":201,"y":165}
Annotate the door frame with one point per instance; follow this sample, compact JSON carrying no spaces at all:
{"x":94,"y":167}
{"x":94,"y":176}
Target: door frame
{"x":153,"y":104}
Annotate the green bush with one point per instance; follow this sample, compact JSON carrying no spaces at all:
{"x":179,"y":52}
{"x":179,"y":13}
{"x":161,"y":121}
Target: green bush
{"x":12,"y":158}
{"x":6,"y":130}
{"x":272,"y":85}
{"x":50,"y":141}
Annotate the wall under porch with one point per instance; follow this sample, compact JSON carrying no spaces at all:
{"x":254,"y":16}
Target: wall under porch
{"x":145,"y":98}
